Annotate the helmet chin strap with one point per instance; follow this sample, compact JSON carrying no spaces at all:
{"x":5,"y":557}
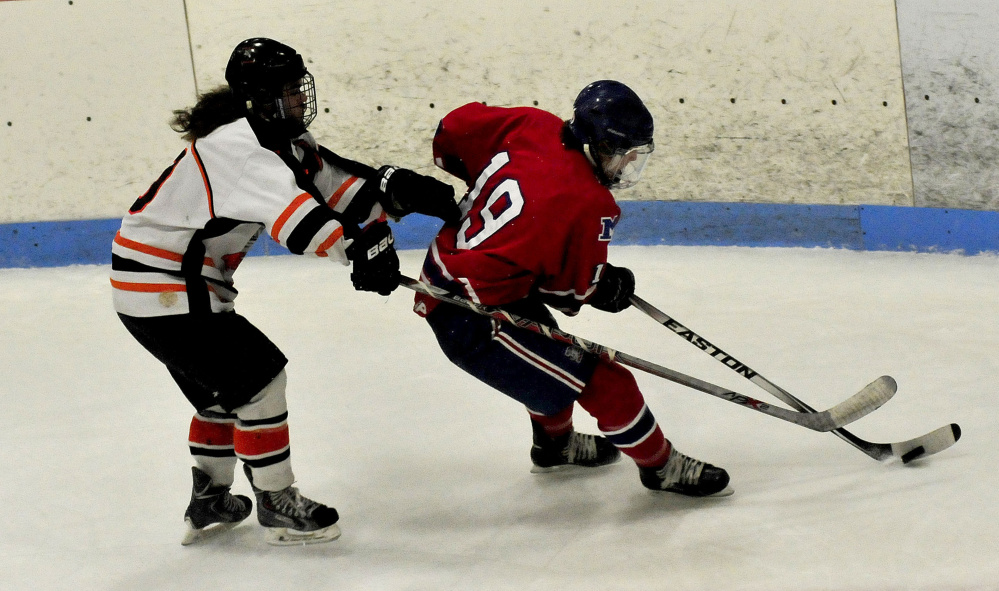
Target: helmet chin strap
{"x":587,"y":151}
{"x":598,"y":168}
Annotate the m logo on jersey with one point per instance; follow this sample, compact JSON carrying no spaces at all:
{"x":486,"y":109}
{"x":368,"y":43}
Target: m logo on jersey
{"x":607,"y":228}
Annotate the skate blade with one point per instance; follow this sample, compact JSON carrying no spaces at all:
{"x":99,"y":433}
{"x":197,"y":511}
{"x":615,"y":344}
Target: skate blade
{"x":282,"y":536}
{"x":193,"y":534}
{"x":570,"y":468}
{"x":725,"y":492}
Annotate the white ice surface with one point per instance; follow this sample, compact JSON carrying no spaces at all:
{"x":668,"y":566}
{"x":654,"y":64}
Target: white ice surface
{"x":430,"y":470}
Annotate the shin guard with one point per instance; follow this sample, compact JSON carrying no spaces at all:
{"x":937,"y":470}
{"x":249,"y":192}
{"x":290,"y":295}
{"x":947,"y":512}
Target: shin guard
{"x":261,"y":437}
{"x":612,"y":397}
{"x":210,"y":440}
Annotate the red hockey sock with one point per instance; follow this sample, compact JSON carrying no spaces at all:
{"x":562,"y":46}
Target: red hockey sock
{"x":211,"y":432}
{"x":210,"y":440}
{"x":613,"y":398}
{"x":554,"y":425}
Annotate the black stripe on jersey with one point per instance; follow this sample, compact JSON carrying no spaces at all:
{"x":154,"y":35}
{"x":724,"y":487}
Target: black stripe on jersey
{"x":190,"y":267}
{"x":194,"y":260}
{"x":307,"y":229}
{"x":366,"y":197}
{"x":120,"y":263}
{"x":204,"y":173}
{"x":283,"y":148}
{"x":360,"y":206}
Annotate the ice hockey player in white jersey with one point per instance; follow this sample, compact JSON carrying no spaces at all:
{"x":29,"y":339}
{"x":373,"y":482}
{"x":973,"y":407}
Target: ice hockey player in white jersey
{"x":251,"y":167}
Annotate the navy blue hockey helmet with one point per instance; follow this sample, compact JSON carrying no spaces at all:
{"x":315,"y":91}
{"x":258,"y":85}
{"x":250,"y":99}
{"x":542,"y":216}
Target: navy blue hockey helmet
{"x":271,"y":79}
{"x":615,"y":129}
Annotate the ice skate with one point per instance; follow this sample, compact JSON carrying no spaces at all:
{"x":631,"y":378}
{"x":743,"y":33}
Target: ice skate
{"x":213,"y":509}
{"x":570,"y":450}
{"x":687,"y":476}
{"x":292,"y":519}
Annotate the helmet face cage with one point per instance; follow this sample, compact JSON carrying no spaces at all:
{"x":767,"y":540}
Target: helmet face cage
{"x":296,"y":103}
{"x":616,"y":129}
{"x":272,"y":81}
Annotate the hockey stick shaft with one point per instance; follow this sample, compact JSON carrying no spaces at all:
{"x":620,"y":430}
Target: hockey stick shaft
{"x":930,"y":443}
{"x":858,"y":405}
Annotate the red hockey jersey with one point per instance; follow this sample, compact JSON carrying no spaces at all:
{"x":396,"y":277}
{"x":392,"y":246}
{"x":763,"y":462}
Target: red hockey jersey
{"x":535,"y":219}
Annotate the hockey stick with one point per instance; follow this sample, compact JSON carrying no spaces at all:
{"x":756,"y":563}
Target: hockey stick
{"x":925,"y":445}
{"x":860,"y":404}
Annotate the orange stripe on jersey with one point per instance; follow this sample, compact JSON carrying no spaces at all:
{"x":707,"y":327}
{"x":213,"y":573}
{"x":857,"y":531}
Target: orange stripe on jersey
{"x":204,"y":178}
{"x":283,"y":218}
{"x":336,"y":235}
{"x":338,"y":194}
{"x":262,"y":441}
{"x":147,"y":287}
{"x":207,"y":433}
{"x":145,"y":248}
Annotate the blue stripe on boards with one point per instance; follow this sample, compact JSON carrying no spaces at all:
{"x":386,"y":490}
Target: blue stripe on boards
{"x":857,"y":227}
{"x":929,"y":229}
{"x":738,"y":224}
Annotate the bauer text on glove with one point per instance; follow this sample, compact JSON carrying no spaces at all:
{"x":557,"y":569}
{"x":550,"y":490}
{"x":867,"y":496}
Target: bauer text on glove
{"x":376,"y":264}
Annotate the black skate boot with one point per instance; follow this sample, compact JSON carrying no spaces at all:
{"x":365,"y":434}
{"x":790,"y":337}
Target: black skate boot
{"x":571,"y":449}
{"x":213,"y":509}
{"x":686,"y":476}
{"x":292,"y":519}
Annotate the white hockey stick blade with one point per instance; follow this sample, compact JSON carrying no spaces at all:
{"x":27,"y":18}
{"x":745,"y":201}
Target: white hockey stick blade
{"x":282,"y":536}
{"x":929,"y":444}
{"x":861,"y":404}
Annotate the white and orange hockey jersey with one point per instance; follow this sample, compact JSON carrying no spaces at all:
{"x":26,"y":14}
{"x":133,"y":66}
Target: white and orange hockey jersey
{"x":182,"y":240}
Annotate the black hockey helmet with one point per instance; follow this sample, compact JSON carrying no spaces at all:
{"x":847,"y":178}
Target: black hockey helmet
{"x":615,"y":129}
{"x":271,"y":79}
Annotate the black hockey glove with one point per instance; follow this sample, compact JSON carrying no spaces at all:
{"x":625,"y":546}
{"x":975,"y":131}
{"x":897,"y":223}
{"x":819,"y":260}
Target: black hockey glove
{"x":376,"y":265}
{"x":614,"y":289}
{"x":407,"y":192}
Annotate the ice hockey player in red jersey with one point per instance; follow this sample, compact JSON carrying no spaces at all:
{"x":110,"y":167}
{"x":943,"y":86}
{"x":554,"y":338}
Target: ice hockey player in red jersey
{"x":251,"y":167}
{"x":534,"y":229}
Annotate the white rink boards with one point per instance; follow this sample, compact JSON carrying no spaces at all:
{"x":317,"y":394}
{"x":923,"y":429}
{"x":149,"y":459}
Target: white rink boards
{"x":89,"y":88}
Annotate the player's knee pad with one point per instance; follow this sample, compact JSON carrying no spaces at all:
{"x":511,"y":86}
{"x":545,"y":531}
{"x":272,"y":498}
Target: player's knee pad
{"x":612,"y":396}
{"x":268,"y":403}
